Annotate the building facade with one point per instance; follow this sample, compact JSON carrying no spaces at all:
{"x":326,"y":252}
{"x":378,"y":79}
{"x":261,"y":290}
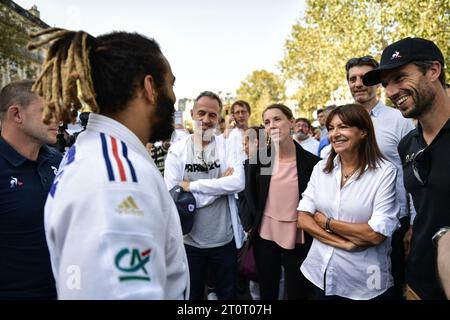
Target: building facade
{"x":20,"y":23}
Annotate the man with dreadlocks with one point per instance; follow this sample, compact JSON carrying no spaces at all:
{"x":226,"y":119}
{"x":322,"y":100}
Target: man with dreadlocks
{"x":112,"y":228}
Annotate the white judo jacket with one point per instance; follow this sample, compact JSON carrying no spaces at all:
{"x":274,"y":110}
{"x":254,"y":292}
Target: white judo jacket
{"x":112,"y":228}
{"x":206,"y":191}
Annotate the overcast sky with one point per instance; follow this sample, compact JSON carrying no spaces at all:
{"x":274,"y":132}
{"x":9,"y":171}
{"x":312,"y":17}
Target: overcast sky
{"x":211,"y":45}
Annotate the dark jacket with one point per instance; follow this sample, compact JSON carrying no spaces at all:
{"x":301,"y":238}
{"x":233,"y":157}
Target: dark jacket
{"x":253,"y":198}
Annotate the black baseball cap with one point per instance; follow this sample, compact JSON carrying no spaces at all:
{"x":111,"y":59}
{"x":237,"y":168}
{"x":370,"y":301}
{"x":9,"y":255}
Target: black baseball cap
{"x":402,"y":52}
{"x":186,"y":206}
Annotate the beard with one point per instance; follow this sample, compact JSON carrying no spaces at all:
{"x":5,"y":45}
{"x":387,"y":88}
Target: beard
{"x":163,"y":128}
{"x":301,"y":136}
{"x":423,"y":98}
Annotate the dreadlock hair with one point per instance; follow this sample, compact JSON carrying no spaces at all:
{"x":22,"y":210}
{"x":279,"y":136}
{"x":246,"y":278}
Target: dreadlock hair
{"x":101,"y":72}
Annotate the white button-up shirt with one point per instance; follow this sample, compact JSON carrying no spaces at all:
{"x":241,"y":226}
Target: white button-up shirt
{"x":390,"y":127}
{"x":370,"y":199}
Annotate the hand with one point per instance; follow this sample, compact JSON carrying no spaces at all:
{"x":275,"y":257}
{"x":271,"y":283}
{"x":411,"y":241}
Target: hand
{"x":351,"y":247}
{"x":298,"y":220}
{"x":149,"y":147}
{"x":184,"y":185}
{"x":407,"y":241}
{"x":230,"y":122}
{"x":320,"y":219}
{"x":228,"y":172}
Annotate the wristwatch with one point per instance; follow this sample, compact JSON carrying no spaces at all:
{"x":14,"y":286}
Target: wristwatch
{"x":327,"y":225}
{"x":438,"y":235}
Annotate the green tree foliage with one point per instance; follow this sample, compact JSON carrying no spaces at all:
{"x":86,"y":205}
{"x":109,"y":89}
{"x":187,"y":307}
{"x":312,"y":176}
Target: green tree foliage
{"x":13,"y":39}
{"x":332,"y":31}
{"x":260,"y":89}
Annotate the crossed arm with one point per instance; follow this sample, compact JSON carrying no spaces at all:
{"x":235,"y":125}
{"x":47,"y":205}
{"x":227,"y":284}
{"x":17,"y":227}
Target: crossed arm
{"x":345,"y":235}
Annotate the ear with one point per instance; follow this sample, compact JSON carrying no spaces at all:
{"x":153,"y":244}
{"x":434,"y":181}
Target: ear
{"x":15,"y":113}
{"x":435,"y":71}
{"x":364,"y":134}
{"x":149,"y":89}
{"x":192,"y":113}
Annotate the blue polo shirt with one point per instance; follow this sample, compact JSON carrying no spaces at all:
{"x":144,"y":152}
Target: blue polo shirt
{"x":25,"y":270}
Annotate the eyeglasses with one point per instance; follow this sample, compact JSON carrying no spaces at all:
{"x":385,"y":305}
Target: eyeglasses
{"x":421,"y":163}
{"x":243,"y":112}
{"x":302,"y":125}
{"x":362,"y":60}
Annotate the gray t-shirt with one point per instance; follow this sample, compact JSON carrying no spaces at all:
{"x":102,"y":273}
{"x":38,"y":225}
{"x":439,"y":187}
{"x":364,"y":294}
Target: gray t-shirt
{"x":212,"y":224}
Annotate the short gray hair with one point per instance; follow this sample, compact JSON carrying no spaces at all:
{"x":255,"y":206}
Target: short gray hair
{"x":211,"y":95}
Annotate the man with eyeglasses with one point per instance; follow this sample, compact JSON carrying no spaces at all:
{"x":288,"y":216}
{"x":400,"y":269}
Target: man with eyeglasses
{"x":302,"y":134}
{"x":390,"y":127}
{"x":204,"y":164}
{"x":237,"y":125}
{"x":412,"y":71}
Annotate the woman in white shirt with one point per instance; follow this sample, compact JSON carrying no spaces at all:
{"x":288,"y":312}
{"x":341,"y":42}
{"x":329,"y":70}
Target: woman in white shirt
{"x":350,"y":209}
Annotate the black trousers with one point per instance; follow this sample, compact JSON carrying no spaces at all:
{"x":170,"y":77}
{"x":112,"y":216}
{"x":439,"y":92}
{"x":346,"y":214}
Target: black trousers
{"x":398,"y":259}
{"x":269,"y":258}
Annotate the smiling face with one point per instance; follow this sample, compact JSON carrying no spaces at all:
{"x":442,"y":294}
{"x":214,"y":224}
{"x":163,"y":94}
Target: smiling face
{"x":409,"y":89}
{"x":205,"y":114}
{"x":361,"y":93}
{"x":345,"y":139}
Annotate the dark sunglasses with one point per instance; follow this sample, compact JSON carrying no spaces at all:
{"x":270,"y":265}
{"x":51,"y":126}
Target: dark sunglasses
{"x":421,"y":163}
{"x":362,"y":60}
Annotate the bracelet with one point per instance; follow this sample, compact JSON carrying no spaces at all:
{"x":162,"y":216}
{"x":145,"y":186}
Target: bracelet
{"x":327,"y":225}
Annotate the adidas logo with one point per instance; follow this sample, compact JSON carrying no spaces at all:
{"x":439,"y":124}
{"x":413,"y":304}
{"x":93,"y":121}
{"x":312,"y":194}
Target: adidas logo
{"x":129,"y":206}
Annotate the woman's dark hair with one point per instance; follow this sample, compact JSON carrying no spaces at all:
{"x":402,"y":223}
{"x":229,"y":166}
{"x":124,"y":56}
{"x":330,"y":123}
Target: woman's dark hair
{"x":286,"y":111}
{"x":103,"y":72}
{"x":354,"y":115}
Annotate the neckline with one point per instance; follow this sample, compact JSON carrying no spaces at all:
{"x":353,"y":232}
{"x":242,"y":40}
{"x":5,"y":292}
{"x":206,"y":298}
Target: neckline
{"x":346,"y":177}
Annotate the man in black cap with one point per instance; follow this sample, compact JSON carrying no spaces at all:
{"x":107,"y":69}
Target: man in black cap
{"x":390,"y":128}
{"x":412,"y":71}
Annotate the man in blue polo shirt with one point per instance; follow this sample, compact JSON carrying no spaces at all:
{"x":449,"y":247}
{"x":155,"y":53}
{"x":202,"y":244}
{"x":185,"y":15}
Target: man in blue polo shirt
{"x":27,"y":169}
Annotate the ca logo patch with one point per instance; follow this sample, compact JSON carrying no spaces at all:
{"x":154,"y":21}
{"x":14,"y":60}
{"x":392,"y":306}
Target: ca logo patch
{"x":132,"y":263}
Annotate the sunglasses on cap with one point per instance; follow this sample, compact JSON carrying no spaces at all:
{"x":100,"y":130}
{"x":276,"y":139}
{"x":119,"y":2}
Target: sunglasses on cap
{"x":368,"y":60}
